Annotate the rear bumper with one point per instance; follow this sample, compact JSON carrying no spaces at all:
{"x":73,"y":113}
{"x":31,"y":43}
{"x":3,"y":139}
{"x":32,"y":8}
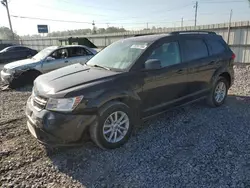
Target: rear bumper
{"x":57,"y":129}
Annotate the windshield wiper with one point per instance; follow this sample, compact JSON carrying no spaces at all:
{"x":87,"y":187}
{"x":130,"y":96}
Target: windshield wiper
{"x":101,"y":67}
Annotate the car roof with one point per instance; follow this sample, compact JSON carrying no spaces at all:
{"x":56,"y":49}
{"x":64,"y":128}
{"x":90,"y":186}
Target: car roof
{"x":155,"y":37}
{"x":15,"y":46}
{"x":147,"y":38}
{"x":71,"y":46}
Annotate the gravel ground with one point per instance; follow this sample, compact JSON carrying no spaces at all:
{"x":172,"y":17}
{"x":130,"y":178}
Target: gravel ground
{"x":193,"y":146}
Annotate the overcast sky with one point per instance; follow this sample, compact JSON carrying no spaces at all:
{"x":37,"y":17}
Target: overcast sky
{"x":130,"y":14}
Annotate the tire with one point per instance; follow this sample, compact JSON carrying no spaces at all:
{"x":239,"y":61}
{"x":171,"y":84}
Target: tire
{"x":26,"y":78}
{"x":212,"y":100}
{"x":97,"y":130}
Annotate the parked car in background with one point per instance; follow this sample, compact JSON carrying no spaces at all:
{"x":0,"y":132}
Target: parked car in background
{"x":25,"y":71}
{"x":14,"y":53}
{"x":127,"y":82}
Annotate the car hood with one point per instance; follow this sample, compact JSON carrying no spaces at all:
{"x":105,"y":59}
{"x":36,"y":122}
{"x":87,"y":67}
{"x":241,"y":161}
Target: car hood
{"x":69,"y":78}
{"x":20,"y":63}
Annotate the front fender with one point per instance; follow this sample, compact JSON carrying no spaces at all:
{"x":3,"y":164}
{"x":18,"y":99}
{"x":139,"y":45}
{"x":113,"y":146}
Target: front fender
{"x":127,"y":96}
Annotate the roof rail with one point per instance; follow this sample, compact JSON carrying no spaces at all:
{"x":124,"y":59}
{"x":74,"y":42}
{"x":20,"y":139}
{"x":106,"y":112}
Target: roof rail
{"x":192,"y":32}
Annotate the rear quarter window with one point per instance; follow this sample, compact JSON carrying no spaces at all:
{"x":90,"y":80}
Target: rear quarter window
{"x":215,"y":47}
{"x":194,"y":49}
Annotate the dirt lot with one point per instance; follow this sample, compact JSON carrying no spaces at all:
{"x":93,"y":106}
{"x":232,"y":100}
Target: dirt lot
{"x":194,"y":146}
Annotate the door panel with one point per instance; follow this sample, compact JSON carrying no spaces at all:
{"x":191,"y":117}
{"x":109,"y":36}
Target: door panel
{"x":54,"y":64}
{"x":199,"y":74}
{"x":61,"y":60}
{"x":200,"y":65}
{"x":164,"y":87}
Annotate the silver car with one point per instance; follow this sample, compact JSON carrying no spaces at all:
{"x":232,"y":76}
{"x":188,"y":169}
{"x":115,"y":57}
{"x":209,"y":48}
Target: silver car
{"x":23,"y":72}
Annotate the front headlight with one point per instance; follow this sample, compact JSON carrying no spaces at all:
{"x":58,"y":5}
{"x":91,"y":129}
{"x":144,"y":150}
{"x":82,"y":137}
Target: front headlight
{"x":63,"y":105}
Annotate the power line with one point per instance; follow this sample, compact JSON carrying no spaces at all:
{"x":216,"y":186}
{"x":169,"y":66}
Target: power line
{"x":70,"y":21}
{"x":154,"y":11}
{"x":46,"y":19}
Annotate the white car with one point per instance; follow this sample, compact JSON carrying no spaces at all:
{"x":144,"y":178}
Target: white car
{"x":23,"y":72}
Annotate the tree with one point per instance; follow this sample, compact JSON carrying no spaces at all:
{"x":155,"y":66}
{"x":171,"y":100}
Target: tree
{"x":6,"y":34}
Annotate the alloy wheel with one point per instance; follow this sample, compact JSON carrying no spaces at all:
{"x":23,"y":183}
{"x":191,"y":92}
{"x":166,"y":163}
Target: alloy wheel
{"x":220,"y":92}
{"x":116,"y":127}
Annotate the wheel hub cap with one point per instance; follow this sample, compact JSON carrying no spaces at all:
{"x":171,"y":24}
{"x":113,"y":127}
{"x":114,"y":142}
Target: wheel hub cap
{"x":220,"y":92}
{"x":116,"y":127}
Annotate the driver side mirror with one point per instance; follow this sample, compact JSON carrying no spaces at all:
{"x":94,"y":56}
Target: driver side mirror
{"x":49,"y":59}
{"x":152,"y":64}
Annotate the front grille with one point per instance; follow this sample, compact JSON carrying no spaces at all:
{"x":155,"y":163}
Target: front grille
{"x":39,"y":102}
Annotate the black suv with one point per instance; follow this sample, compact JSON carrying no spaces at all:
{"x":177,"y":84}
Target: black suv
{"x":127,"y":82}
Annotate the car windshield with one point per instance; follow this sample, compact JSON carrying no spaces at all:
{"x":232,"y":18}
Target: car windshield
{"x":44,"y":53}
{"x":119,"y":55}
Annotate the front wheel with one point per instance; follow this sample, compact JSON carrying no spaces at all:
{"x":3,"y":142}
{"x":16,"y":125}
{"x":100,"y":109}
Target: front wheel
{"x":218,"y":93}
{"x":114,"y":126}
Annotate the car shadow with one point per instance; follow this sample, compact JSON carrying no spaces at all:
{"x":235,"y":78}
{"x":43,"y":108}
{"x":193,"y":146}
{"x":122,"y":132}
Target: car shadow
{"x":166,"y":148}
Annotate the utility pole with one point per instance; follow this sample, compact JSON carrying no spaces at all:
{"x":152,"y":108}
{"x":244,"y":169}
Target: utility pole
{"x":94,"y":28}
{"x":182,"y":23}
{"x":147,"y":25}
{"x":229,"y":25}
{"x":196,"y":9}
{"x":5,"y":3}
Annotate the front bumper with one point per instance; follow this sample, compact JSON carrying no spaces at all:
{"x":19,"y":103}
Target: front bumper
{"x":5,"y":77}
{"x":56,"y":129}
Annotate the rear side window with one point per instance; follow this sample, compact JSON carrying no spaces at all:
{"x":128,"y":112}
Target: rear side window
{"x":195,"y":49}
{"x":78,"y":51}
{"x":215,"y":47}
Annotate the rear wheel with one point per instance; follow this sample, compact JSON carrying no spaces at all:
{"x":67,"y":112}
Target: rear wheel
{"x":114,"y":126}
{"x":218,"y":93}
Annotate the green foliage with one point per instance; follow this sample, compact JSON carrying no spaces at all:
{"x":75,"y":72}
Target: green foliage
{"x":78,"y":32}
{"x":5,"y":34}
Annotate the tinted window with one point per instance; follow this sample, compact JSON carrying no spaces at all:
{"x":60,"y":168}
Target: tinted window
{"x":195,"y":49}
{"x":168,"y":54}
{"x":215,"y":47}
{"x":78,"y":52}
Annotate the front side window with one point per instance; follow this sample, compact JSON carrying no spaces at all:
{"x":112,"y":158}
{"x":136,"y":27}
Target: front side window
{"x":195,"y":49}
{"x":167,"y":53}
{"x":60,"y":54}
{"x":119,"y":55}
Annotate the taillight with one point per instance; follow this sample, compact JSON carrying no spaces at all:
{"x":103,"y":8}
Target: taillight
{"x":233,"y":56}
